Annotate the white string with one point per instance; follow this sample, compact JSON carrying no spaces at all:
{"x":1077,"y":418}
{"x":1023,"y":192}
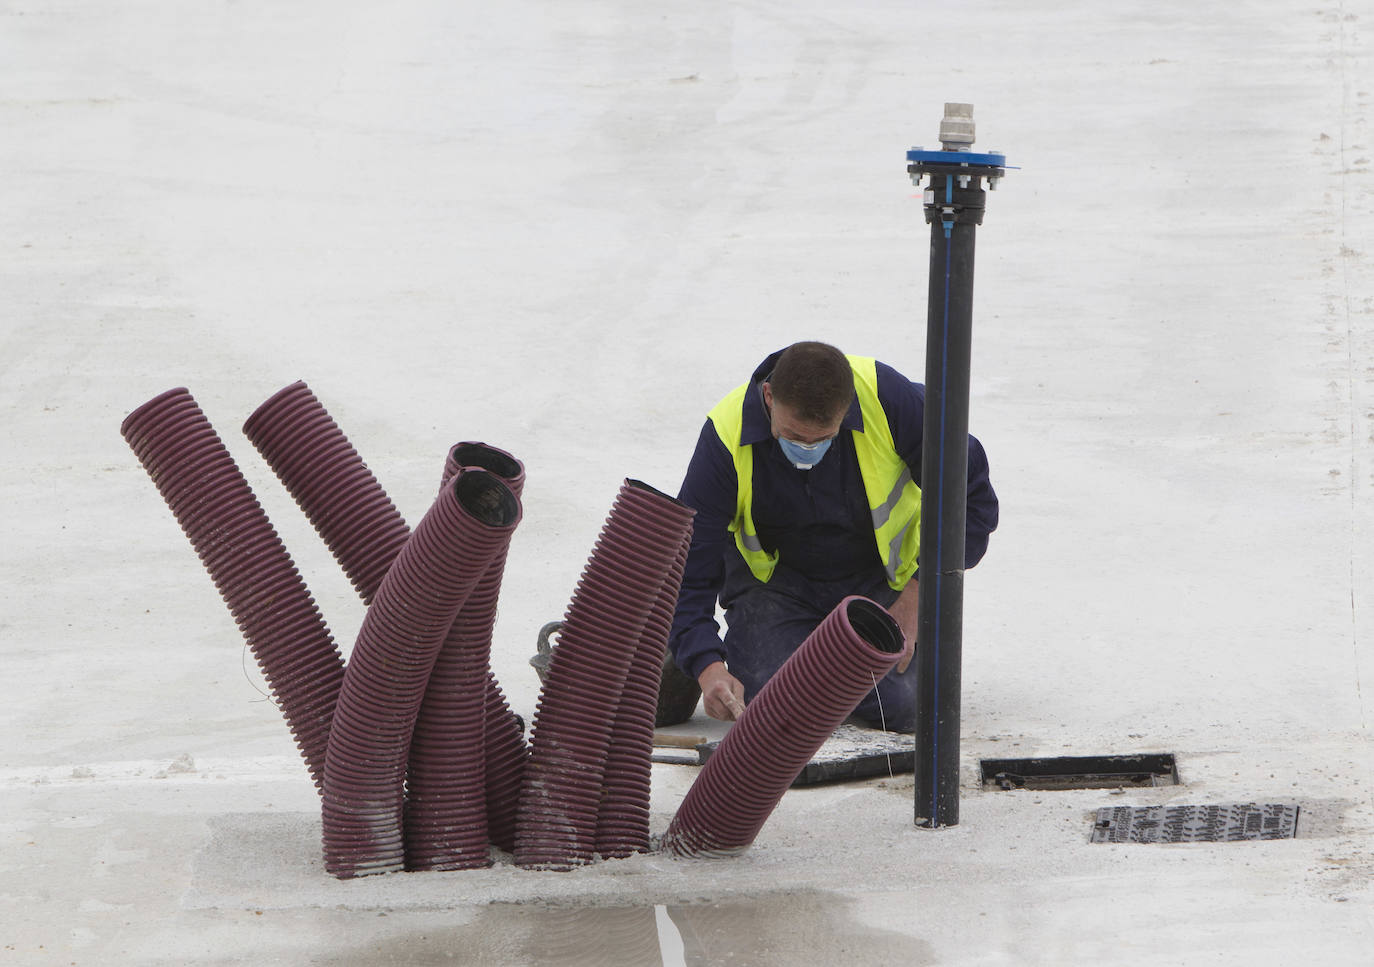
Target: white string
{"x":266,"y":697}
{"x":882,"y":719}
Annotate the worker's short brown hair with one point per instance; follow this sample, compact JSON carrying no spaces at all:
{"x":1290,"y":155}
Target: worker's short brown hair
{"x":814,"y":380}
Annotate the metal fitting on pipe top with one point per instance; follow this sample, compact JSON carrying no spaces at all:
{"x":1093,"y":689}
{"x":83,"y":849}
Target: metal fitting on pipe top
{"x":956,"y":128}
{"x":962,"y":167}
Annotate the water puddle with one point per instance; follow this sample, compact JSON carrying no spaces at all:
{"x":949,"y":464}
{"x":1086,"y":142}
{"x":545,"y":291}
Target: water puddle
{"x":785,"y":929}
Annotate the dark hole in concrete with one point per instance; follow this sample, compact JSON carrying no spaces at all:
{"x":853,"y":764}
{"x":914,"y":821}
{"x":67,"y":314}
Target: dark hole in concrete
{"x":1081,"y":772}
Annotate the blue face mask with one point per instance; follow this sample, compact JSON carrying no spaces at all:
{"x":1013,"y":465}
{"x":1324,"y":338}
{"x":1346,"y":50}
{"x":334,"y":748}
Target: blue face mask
{"x":803,"y":456}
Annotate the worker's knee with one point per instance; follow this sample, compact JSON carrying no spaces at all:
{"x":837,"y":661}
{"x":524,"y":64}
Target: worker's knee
{"x":765,"y":628}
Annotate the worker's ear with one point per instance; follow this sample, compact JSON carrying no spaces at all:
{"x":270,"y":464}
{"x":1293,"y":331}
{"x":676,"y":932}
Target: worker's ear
{"x":767,"y":395}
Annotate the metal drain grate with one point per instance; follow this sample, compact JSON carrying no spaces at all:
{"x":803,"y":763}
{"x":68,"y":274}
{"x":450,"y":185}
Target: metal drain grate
{"x":1081,"y":772}
{"x":1224,"y":823}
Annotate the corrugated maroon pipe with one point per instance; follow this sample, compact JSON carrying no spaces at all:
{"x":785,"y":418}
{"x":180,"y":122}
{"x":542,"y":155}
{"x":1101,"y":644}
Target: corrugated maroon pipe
{"x":473,"y":454}
{"x":446,"y":807}
{"x":560,"y":799}
{"x":350,"y":510}
{"x":503,"y":735}
{"x":385,"y":681}
{"x":255,"y":575}
{"x":781,"y":729}
{"x":468,"y":752}
{"x":330,"y":482}
{"x":622,"y":822}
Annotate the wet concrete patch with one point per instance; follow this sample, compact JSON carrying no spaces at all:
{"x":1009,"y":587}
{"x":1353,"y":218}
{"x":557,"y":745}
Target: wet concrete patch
{"x":753,"y":931}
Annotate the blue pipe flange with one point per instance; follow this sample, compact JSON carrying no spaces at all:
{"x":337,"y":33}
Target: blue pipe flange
{"x":956,"y":159}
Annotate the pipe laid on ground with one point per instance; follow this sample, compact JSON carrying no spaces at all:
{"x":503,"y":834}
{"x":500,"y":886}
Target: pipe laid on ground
{"x":782,"y":728}
{"x":669,"y":740}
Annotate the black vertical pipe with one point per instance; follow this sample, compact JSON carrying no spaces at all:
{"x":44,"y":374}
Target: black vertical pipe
{"x":944,"y":500}
{"x":954,"y":202}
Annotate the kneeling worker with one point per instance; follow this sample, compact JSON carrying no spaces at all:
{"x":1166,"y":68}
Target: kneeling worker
{"x":805,"y":481}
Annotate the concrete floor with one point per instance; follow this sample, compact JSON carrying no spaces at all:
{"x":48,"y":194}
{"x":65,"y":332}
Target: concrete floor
{"x":567,"y":230}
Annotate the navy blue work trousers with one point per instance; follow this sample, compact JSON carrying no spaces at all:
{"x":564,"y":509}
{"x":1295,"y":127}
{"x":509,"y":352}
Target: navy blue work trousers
{"x":766,"y":623}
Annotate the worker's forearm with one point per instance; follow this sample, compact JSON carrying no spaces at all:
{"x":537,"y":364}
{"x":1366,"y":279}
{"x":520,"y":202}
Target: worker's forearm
{"x":907,"y":613}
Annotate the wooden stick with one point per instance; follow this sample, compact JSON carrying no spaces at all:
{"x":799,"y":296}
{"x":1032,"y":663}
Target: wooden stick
{"x":665,"y":740}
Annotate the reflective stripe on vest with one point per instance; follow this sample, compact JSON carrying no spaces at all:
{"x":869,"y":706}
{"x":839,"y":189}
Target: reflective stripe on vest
{"x":894,"y":500}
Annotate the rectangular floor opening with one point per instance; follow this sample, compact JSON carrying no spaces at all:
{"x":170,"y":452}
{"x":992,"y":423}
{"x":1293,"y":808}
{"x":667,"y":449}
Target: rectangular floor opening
{"x":1081,"y":772}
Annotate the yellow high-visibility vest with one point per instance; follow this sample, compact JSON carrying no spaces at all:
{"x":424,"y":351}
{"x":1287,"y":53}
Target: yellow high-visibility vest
{"x":894,"y":500}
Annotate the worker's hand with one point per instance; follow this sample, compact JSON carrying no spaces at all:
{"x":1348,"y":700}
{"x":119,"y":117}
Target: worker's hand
{"x":905,"y":610}
{"x":722,"y":693}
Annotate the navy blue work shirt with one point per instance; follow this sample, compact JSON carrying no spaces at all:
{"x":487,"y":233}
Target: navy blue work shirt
{"x":817,"y":520}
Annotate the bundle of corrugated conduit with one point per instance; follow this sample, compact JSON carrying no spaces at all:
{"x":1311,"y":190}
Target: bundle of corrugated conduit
{"x":420,"y":762}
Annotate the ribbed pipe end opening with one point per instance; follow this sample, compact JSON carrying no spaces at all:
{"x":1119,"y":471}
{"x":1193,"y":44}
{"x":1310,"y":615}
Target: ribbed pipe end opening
{"x":265,"y":409}
{"x":142,"y":412}
{"x":485,"y":457}
{"x":641,"y":485}
{"x":875,"y":625}
{"x":487,"y":499}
